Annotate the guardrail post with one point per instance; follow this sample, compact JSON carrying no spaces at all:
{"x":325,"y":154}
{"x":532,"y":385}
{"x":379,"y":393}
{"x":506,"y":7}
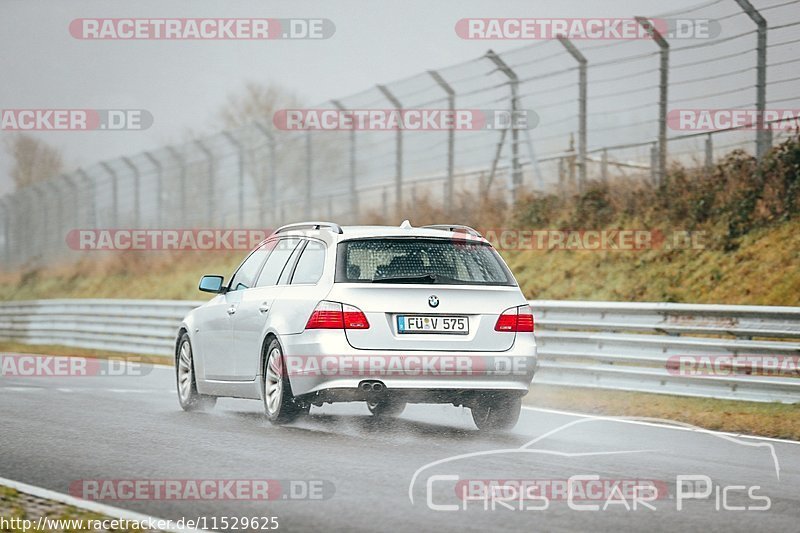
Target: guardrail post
{"x":136,"y":190}
{"x":159,"y":184}
{"x":114,"y":194}
{"x":582,"y":101}
{"x":240,"y":149}
{"x":211,"y":197}
{"x":354,"y":207}
{"x":451,"y":134}
{"x":663,"y":86}
{"x":516,"y":169}
{"x":398,"y":183}
{"x":763,"y":135}
{"x":181,"y":182}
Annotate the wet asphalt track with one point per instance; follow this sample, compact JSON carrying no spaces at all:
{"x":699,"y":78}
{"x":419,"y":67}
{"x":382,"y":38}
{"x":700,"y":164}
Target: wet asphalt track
{"x":54,"y":431}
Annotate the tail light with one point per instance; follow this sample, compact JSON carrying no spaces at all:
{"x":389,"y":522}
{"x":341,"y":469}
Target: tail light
{"x":333,"y":315}
{"x":516,"y":319}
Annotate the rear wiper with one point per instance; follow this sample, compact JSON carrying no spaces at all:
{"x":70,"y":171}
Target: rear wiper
{"x":424,"y":278}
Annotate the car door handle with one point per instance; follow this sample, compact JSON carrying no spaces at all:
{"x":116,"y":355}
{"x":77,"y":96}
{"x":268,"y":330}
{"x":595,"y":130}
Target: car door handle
{"x":231,"y":310}
{"x":264,"y":308}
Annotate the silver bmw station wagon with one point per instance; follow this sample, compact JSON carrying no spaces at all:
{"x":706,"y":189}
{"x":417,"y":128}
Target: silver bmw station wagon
{"x":319,"y":313}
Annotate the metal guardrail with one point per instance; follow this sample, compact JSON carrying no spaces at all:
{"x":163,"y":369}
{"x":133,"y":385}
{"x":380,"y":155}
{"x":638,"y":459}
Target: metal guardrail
{"x":607,"y":345}
{"x":627,"y":346}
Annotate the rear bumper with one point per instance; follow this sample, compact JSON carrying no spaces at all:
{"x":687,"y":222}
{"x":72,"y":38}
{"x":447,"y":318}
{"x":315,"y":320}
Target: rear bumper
{"x":322,"y":363}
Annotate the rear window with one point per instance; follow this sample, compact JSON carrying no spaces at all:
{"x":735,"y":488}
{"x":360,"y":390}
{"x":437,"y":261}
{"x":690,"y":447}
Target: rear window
{"x":432,"y":261}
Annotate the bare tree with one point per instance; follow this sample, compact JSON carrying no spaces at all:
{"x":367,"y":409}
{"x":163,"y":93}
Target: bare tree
{"x":256,"y":103}
{"x":34,"y":160}
{"x":279,"y":158}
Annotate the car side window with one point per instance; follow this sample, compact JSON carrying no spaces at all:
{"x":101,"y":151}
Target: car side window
{"x":310,"y":265}
{"x":245,"y":276}
{"x":289,"y":268}
{"x":276,"y":262}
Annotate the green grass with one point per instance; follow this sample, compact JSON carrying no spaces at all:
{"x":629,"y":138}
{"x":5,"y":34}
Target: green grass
{"x":753,"y":418}
{"x":764,"y":270}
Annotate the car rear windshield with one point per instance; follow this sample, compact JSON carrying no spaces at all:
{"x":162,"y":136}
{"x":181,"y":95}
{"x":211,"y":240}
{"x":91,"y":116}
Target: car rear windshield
{"x":420,"y":260}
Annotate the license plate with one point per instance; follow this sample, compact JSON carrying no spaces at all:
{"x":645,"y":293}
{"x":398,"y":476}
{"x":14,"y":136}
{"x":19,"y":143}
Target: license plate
{"x":458,"y":325}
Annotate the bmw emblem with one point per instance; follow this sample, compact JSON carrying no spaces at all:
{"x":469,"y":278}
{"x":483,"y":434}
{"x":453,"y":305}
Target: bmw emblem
{"x":433,"y":301}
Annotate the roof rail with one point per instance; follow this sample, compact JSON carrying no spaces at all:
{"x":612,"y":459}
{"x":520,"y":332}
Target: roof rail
{"x":455,"y":228}
{"x":311,"y":225}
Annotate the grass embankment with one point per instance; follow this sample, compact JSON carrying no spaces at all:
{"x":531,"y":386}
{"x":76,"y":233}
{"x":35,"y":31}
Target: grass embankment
{"x":747,"y":213}
{"x":751,"y":418}
{"x":15,"y":507}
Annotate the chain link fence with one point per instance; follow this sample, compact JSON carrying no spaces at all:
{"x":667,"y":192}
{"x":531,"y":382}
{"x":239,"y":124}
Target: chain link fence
{"x":601,"y":108}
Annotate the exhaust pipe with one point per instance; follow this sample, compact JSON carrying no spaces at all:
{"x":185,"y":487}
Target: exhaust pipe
{"x":371,"y":386}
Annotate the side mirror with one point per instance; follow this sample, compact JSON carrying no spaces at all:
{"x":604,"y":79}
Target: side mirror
{"x":211,"y":284}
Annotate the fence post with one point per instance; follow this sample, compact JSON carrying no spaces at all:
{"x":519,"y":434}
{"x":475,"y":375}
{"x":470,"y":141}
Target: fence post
{"x":653,"y":164}
{"x":451,"y":106}
{"x":114,"y":194}
{"x":273,"y":178}
{"x":92,"y":195}
{"x":516,"y":169}
{"x":763,"y":135}
{"x":582,"y":100}
{"x":354,"y":207}
{"x":663,"y":86}
{"x":211,"y":199}
{"x":159,"y":184}
{"x":42,"y":202}
{"x":709,"y":153}
{"x":63,"y":206}
{"x":604,"y":165}
{"x":240,"y":149}
{"x":136,"y":190}
{"x":398,"y":183}
{"x":182,"y":182}
{"x":309,"y":176}
{"x":6,"y":233}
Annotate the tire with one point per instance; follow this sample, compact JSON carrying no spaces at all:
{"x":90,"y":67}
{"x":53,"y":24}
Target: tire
{"x":280,"y":405}
{"x":496,"y":411}
{"x":386,"y":407}
{"x":185,"y":380}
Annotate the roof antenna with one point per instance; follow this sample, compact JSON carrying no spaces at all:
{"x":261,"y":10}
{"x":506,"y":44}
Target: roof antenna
{"x":406,"y":225}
